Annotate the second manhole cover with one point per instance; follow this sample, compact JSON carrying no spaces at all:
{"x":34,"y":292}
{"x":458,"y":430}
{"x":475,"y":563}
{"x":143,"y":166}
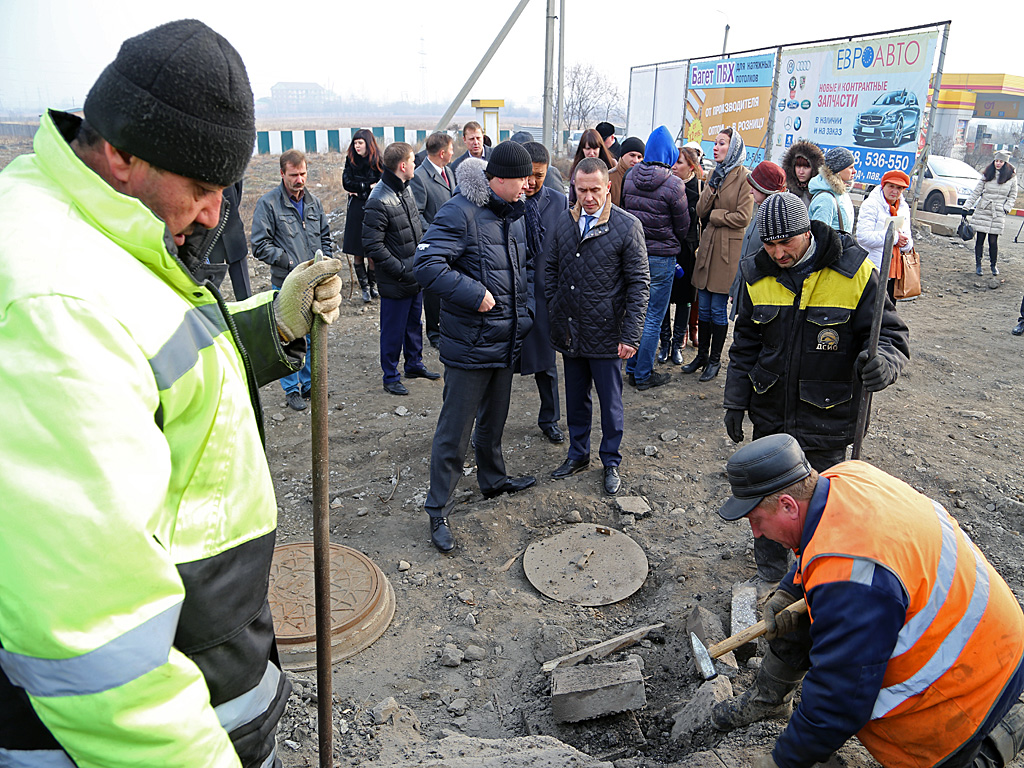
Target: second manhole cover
{"x":586,"y":565}
{"x":362,"y":603}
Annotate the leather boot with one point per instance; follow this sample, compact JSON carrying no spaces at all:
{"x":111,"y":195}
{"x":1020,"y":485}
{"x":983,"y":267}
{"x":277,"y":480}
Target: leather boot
{"x":1007,"y":737}
{"x":677,"y":350}
{"x":977,"y":265}
{"x":771,"y":695}
{"x":718,"y":333}
{"x":693,"y":324}
{"x":704,"y":343}
{"x":995,"y":269}
{"x":371,"y":279}
{"x":364,"y":282}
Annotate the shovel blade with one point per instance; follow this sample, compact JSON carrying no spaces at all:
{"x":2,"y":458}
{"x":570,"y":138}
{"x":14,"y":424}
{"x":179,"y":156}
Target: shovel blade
{"x":702,"y":658}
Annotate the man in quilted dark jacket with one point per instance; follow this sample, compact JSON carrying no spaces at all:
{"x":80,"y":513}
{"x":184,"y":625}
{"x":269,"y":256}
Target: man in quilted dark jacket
{"x":597,"y":283}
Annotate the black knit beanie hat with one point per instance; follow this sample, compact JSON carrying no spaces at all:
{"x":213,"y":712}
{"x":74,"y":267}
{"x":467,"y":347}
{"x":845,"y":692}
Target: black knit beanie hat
{"x":178,"y":97}
{"x":632,"y":144}
{"x":510,"y":160}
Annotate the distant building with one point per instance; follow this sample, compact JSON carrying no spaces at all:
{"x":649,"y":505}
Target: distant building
{"x":290,"y":98}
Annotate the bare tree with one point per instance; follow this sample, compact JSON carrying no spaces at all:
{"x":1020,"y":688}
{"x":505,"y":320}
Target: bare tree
{"x":590,"y":97}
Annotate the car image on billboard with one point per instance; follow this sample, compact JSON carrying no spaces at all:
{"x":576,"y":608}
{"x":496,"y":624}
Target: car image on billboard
{"x":893,"y":118}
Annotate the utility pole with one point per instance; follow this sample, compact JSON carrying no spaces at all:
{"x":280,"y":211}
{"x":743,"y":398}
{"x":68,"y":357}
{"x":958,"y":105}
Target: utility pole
{"x":449,"y":113}
{"x":559,"y":146}
{"x":549,"y":74}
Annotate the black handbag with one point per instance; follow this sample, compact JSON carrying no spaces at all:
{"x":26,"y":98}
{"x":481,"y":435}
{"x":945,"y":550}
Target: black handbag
{"x":965,"y":230}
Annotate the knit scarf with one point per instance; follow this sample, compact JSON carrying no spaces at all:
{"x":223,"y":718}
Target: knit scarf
{"x":534,"y":227}
{"x":896,"y":265}
{"x":735,"y":156}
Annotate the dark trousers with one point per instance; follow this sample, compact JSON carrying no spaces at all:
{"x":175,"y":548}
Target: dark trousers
{"x":239,"y":272}
{"x":773,"y":559}
{"x":606,"y":376}
{"x":993,"y":246}
{"x":482,"y":394}
{"x":400,"y":330}
{"x":547,"y":388}
{"x":432,"y":313}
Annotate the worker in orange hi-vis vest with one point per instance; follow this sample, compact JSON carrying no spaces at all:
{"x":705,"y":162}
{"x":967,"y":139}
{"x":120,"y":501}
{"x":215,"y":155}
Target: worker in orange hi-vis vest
{"x":913,"y":642}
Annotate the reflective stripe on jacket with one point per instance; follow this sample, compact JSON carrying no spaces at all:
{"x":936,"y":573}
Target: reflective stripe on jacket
{"x":964,"y":631}
{"x":138,"y":511}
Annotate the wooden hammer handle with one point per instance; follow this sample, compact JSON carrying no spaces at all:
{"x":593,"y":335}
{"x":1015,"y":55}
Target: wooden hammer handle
{"x":752,"y":632}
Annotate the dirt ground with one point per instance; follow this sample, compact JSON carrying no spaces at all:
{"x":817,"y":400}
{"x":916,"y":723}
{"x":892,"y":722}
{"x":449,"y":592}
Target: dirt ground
{"x":950,"y":427}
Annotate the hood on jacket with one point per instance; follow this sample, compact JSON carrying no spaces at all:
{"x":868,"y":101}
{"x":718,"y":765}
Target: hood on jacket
{"x":661,"y":147}
{"x":648,"y":176}
{"x":808,"y":150}
{"x":472,"y":181}
{"x":827,"y":179}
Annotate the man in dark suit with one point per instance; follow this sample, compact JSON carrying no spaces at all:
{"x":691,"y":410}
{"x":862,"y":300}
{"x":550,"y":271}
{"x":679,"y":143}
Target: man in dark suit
{"x":543,"y":208}
{"x":433,"y":186}
{"x":473,"y":138}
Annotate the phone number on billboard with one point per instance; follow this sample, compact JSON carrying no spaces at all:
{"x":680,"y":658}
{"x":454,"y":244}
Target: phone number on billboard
{"x":889,"y":161}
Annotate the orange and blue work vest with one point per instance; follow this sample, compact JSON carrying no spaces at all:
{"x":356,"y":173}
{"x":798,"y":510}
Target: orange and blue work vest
{"x":963,"y":635}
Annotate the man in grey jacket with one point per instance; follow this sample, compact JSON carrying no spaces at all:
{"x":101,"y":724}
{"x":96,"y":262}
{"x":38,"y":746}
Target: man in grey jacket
{"x":433,"y":185}
{"x":288,"y":227}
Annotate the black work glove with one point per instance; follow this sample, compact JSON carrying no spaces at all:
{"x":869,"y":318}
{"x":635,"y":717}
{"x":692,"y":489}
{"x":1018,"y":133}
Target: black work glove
{"x":876,"y":373}
{"x":777,"y":619}
{"x":734,"y":424}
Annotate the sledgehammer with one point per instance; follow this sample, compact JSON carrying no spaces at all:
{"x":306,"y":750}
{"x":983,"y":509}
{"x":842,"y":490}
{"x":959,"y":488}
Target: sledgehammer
{"x":702,"y":656}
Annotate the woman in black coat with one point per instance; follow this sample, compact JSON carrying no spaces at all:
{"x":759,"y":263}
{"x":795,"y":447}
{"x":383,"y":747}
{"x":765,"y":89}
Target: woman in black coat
{"x":361,"y":174}
{"x":673,"y":333}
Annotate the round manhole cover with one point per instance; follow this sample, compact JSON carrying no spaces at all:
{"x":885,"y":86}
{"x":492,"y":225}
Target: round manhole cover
{"x":362,"y":603}
{"x":586,"y":565}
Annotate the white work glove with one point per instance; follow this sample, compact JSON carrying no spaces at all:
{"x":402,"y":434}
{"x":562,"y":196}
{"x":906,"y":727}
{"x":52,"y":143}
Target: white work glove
{"x":312,"y":287}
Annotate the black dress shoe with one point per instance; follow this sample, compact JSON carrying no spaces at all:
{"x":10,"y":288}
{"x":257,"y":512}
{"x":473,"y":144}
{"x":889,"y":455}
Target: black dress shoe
{"x":422,"y":373}
{"x":441,"y":534}
{"x":611,"y":480}
{"x":511,"y":485}
{"x":553,"y":433}
{"x":571,"y":467}
{"x":395,"y":388}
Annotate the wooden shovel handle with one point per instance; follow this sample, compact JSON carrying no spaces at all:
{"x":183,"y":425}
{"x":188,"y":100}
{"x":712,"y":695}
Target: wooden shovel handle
{"x":752,"y":632}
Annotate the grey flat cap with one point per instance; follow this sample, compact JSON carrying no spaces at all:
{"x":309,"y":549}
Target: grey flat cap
{"x":760,"y":469}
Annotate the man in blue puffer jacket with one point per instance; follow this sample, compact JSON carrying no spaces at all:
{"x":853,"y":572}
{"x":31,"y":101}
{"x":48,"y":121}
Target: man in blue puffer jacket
{"x":474,"y":256}
{"x":658,"y":198}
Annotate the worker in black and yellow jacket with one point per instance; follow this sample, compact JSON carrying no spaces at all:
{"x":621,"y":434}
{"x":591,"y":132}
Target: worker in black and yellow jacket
{"x":799,"y":355}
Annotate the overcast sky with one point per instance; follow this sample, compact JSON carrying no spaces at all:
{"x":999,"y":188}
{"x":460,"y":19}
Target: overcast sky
{"x":52,"y":50}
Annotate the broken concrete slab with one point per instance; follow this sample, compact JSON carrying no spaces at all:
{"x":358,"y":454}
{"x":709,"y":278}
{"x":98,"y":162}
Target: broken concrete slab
{"x":385,"y":710}
{"x":697,"y":713}
{"x":594,"y":690}
{"x":744,"y":606}
{"x":633,"y":505}
{"x":451,"y":656}
{"x":707,"y":626}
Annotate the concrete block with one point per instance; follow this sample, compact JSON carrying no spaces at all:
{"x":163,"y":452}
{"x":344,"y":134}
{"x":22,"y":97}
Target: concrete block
{"x":593,"y":690}
{"x":707,"y":626}
{"x":744,"y":606}
{"x":697,"y":713}
{"x":633,"y":505}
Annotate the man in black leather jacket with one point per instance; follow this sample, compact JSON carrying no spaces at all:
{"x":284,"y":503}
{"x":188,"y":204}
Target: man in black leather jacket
{"x":391,"y":230}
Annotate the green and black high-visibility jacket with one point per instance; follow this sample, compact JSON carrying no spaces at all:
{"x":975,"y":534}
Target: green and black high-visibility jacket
{"x":137,"y":512}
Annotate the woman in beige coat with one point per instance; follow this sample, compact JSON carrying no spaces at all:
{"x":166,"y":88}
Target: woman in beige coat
{"x":989,"y":203}
{"x":725,"y":208}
